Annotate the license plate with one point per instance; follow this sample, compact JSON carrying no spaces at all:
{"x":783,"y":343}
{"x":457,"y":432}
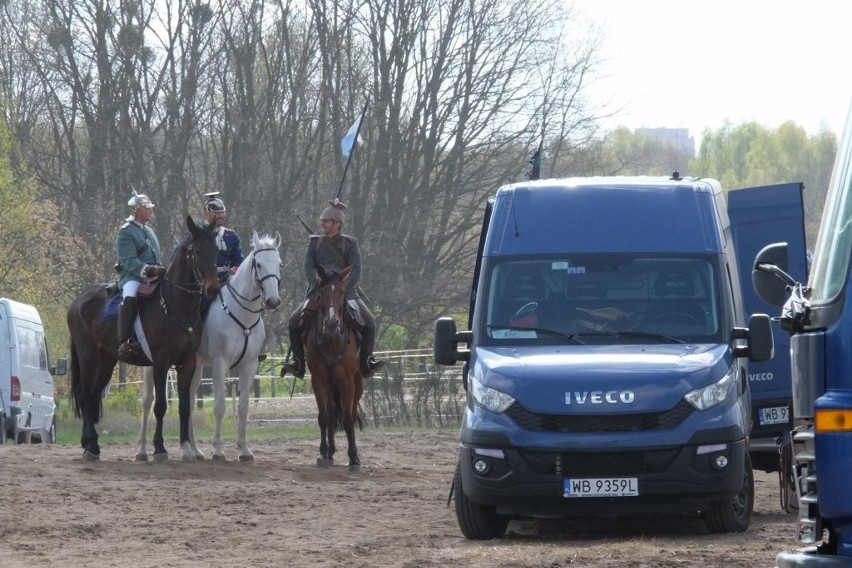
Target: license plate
{"x":774,"y":415}
{"x":601,"y":487}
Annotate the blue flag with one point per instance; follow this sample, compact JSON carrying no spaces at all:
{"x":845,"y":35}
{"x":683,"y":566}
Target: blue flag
{"x":349,"y":140}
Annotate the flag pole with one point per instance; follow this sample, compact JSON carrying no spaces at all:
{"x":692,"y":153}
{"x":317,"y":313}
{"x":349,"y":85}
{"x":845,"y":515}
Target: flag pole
{"x":352,"y":151}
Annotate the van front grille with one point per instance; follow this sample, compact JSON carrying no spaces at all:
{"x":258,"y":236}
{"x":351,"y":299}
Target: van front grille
{"x":604,"y":423}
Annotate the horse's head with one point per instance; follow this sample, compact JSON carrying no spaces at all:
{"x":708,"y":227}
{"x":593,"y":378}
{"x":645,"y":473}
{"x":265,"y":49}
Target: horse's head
{"x":331,"y":288}
{"x":201,"y":254}
{"x":266,"y":268}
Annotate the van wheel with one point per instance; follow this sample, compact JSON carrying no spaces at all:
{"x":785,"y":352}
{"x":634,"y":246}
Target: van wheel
{"x":477,"y":522}
{"x":2,"y":429}
{"x":733,"y":515}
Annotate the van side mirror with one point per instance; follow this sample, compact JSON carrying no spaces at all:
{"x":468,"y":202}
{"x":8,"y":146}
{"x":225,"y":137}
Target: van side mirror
{"x":60,"y":369}
{"x":446,"y":346}
{"x":769,"y":274}
{"x":760,"y":345}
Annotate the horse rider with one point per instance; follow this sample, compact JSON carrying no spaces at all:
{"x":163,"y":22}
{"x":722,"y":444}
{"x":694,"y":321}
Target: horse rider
{"x":138,"y":252}
{"x":230,"y":251}
{"x":334,"y":251}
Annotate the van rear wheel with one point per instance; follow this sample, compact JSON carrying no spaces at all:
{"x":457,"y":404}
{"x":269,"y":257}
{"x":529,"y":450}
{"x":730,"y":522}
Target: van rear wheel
{"x":3,"y":429}
{"x":734,"y":514}
{"x":477,"y":522}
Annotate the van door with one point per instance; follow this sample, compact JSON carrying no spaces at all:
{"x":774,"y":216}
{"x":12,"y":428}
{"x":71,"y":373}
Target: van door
{"x":761,"y":216}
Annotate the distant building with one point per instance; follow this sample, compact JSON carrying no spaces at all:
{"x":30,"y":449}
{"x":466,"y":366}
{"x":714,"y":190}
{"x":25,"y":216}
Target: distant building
{"x":679,"y":138}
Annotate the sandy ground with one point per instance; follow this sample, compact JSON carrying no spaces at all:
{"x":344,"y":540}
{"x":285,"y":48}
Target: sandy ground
{"x":281,"y":510}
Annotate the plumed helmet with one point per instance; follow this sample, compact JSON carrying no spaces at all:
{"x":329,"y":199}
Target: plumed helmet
{"x":213,"y":202}
{"x":139,"y":200}
{"x":334,"y":211}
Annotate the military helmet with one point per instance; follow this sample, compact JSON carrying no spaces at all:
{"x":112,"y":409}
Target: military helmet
{"x":139,"y":200}
{"x":213,"y":202}
{"x":334,"y":211}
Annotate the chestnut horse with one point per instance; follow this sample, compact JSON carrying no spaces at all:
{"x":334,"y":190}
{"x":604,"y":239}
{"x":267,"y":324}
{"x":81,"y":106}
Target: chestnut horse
{"x":171,"y":323}
{"x":332,"y":356}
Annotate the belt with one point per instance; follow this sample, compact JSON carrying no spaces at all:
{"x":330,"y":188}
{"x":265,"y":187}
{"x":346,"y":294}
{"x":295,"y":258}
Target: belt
{"x":223,"y":269}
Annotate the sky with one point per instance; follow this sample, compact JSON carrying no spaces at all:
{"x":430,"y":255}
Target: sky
{"x":698,"y":63}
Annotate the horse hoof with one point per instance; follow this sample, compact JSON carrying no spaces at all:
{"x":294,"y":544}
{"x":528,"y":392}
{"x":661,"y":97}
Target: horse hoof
{"x":200,"y":457}
{"x":140,"y":457}
{"x":89,"y":456}
{"x":161,"y":457}
{"x":247,"y":458}
{"x":324,"y":462}
{"x":219,"y":457}
{"x":354,"y":467}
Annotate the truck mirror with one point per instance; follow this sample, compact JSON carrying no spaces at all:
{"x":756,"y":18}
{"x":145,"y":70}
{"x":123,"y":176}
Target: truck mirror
{"x":445,"y":349}
{"x":769,"y":274}
{"x":760,"y":345}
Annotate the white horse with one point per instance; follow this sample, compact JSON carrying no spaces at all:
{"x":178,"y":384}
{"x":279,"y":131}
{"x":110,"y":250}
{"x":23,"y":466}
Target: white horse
{"x":232,"y":338}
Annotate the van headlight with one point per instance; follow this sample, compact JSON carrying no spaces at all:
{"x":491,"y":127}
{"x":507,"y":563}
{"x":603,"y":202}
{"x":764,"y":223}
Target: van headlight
{"x":488,"y":398}
{"x":715,"y":394}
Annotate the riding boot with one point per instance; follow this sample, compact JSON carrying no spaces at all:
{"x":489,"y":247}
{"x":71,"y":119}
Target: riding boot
{"x":127,"y":345}
{"x":296,"y":366}
{"x":369,"y":364}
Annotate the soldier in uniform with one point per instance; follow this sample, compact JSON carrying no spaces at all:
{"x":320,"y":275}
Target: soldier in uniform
{"x":138,"y":252}
{"x":230,"y":251}
{"x":334,"y":251}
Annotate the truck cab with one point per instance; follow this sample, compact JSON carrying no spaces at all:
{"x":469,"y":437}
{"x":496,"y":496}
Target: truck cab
{"x":606,"y":356}
{"x":818,"y":315}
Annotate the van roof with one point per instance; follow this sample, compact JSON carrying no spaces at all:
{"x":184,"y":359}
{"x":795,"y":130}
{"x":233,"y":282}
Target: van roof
{"x":606,"y":214}
{"x":21,"y":311}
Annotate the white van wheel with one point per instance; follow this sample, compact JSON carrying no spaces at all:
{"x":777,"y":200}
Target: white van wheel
{"x":2,"y":429}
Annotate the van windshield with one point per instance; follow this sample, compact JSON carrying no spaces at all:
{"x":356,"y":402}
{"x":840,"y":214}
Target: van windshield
{"x":604,"y":298}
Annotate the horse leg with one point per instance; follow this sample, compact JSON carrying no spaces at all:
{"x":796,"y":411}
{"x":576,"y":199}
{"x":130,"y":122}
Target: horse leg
{"x":160,"y":405}
{"x":246,"y":378}
{"x":91,"y":407}
{"x":147,"y":402}
{"x":219,"y":370}
{"x":189,"y":448}
{"x":350,"y":409}
{"x":322,"y":397}
{"x":185,"y":375}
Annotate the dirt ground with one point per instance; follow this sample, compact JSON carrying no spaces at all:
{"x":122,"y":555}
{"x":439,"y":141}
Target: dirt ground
{"x":281,"y":510}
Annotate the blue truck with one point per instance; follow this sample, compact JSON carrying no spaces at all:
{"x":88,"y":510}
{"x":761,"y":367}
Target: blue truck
{"x":818,"y":315}
{"x":606,"y":356}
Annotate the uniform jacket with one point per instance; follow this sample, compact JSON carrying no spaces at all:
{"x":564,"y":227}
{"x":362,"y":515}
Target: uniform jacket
{"x":333,"y":254}
{"x":135,"y":246}
{"x":230,"y":252}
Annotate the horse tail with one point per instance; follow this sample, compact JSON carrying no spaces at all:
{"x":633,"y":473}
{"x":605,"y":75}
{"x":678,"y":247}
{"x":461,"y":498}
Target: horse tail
{"x":76,"y":381}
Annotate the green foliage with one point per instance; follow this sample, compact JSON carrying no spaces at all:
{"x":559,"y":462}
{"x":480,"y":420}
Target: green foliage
{"x":751,"y":154}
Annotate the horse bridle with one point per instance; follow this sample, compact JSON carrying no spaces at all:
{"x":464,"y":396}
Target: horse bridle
{"x":198,"y":274}
{"x":344,"y":329}
{"x":237,"y":296}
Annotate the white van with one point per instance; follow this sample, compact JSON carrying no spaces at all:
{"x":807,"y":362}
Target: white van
{"x":27,"y":404}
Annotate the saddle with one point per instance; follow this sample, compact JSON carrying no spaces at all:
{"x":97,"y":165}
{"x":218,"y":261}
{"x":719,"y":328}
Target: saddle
{"x":352,"y":318}
{"x":146,"y":290}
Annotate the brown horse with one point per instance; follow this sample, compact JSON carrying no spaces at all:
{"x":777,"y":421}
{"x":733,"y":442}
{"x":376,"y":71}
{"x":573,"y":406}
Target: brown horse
{"x":331,"y":352}
{"x":171,"y":323}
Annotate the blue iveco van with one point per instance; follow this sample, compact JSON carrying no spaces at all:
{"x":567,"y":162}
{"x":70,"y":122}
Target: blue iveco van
{"x":606,"y":356}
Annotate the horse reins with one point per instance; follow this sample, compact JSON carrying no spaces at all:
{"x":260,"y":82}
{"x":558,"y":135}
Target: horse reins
{"x":199,"y":284}
{"x":237,"y":296}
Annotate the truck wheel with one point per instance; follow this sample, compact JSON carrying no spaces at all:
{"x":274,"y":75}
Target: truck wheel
{"x":733,"y":515}
{"x":477,"y":522}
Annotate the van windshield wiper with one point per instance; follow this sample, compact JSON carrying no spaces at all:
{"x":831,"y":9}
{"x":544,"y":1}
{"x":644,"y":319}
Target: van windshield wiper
{"x":571,"y":337}
{"x":641,"y":334}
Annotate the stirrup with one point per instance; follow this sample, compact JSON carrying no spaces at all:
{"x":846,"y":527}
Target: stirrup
{"x":129,"y":348}
{"x":295,"y":368}
{"x":370,"y":365}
